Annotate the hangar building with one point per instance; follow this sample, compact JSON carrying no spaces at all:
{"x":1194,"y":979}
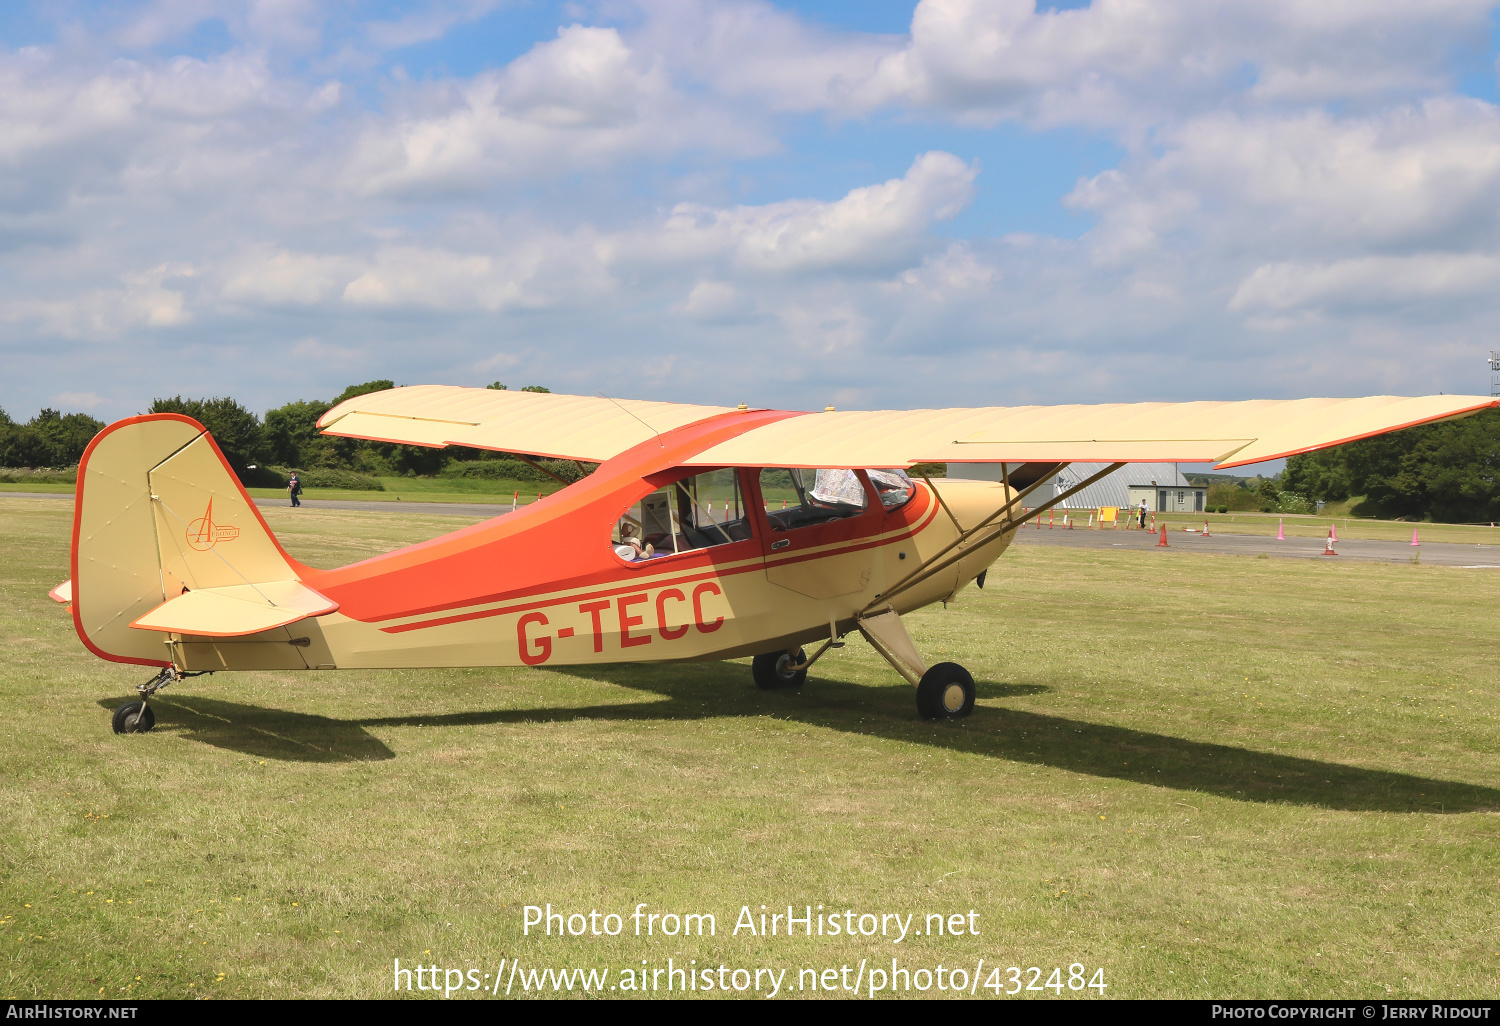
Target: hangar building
{"x":1160,"y":484}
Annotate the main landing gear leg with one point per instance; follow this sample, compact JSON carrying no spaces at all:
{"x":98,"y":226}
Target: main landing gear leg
{"x":137,"y":717}
{"x":944,"y":691}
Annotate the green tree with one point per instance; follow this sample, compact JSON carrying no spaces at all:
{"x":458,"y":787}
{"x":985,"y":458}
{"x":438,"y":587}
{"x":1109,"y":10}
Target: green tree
{"x":369,"y":386}
{"x":1448,"y":471}
{"x":499,"y":386}
{"x":1319,"y":475}
{"x":1267,"y":493}
{"x":537,"y":388}
{"x":236,"y":430}
{"x":50,"y":439}
{"x":291,"y":435}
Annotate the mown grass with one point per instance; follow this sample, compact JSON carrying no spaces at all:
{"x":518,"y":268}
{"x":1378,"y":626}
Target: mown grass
{"x":52,"y":487}
{"x":1212,"y":777}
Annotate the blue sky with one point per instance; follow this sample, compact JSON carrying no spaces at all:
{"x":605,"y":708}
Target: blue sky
{"x":876,"y":204}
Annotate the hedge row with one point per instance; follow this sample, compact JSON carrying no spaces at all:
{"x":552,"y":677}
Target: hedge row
{"x":25,"y":476}
{"x":317,"y":477}
{"x":505,"y":469}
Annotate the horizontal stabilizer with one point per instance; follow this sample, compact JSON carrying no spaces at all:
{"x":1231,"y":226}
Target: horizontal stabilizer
{"x":236,"y":610}
{"x":62,"y":593}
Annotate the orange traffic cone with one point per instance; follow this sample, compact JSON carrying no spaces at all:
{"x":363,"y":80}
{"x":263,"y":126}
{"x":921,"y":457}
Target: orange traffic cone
{"x":1333,"y":531}
{"x":1328,"y":545}
{"x":1205,"y":530}
{"x":1280,"y":531}
{"x":1162,"y":544}
{"x":515,"y":500}
{"x":1414,"y":537}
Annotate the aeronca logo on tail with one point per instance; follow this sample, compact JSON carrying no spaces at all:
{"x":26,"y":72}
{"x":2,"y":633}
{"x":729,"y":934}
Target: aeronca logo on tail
{"x":203,"y":534}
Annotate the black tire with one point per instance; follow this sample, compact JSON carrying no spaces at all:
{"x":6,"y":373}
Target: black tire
{"x":134,"y":718}
{"x":769,"y":670}
{"x":946,"y":692}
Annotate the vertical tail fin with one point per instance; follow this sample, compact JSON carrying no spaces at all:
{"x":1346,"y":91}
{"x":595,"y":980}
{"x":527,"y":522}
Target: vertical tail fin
{"x":159,"y":514}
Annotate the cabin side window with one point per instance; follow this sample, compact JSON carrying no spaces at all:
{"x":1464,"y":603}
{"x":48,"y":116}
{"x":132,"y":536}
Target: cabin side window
{"x":894,"y":486}
{"x":694,"y":512}
{"x":800,"y":498}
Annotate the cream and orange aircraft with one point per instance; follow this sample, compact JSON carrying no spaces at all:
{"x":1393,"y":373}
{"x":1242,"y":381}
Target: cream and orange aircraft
{"x":705,"y":533}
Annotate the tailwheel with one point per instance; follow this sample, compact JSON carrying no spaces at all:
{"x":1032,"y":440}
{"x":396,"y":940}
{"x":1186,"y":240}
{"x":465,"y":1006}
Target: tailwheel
{"x":134,"y":718}
{"x":137,"y":717}
{"x":946,"y":692}
{"x":773,"y":670}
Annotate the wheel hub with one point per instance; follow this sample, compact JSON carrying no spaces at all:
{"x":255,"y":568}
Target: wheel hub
{"x":953,"y":698}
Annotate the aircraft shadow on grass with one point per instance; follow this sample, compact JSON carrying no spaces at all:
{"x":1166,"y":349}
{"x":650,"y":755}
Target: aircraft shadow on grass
{"x":710,"y":691}
{"x":264,"y":733}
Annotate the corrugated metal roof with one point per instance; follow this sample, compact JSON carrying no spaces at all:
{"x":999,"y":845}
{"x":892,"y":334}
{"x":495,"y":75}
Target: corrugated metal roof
{"x":1113,"y":490}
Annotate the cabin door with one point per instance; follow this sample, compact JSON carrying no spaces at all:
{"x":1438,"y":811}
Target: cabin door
{"x":815,"y":524}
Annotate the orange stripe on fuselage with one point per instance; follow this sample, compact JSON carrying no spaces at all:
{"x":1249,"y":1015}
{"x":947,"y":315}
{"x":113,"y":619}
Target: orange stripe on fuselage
{"x":623,"y":586}
{"x":562,"y":540}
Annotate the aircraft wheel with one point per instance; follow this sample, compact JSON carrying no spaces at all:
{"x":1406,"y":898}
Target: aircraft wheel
{"x":770,"y":670}
{"x":134,"y":718}
{"x":946,"y":692}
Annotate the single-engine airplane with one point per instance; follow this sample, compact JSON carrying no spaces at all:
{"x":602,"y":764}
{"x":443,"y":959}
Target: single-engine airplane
{"x":705,"y":533}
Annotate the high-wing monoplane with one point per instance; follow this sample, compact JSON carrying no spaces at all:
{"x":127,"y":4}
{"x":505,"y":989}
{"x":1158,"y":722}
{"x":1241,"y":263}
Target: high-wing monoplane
{"x":704,"y":533}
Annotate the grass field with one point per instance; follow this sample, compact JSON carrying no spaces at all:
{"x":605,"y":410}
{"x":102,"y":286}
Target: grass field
{"x":1217,"y":777}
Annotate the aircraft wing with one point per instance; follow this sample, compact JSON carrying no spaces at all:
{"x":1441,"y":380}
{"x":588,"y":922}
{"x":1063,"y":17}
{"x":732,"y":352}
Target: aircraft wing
{"x":594,"y":428}
{"x":573,"y":427}
{"x":1230,"y":434}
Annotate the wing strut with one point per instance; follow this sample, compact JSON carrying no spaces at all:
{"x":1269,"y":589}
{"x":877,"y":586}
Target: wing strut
{"x":942,"y":559}
{"x":906,"y":581}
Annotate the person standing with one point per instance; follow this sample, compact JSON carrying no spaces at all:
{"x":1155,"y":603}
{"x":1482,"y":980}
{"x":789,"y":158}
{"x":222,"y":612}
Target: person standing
{"x":294,"y":489}
{"x":1143,"y":514}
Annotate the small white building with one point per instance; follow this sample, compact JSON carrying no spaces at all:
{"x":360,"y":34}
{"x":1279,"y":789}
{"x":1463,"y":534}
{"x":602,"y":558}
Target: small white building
{"x":1169,"y":498}
{"x":1161,"y":485}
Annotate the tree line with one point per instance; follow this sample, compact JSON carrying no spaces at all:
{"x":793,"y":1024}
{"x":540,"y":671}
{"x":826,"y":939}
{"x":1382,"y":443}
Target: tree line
{"x":259,"y":450}
{"x":1448,"y":472}
{"x":50,"y":440}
